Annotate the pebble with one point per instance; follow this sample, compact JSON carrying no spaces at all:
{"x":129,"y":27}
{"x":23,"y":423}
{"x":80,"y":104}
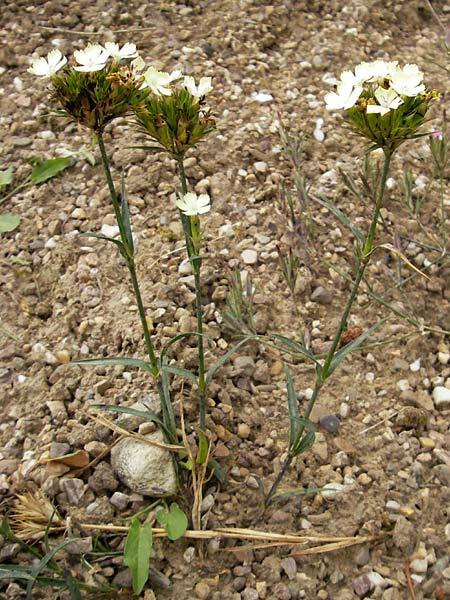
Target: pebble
{"x":120,"y":500}
{"x":202,"y":590}
{"x":330,"y":423}
{"x":249,"y":256}
{"x":362,"y":585}
{"x":331,"y":490}
{"x":403,"y":534}
{"x":321,"y":295}
{"x":260,"y":166}
{"x":250,"y":594}
{"x":290,"y":567}
{"x":441,"y":397}
{"x":74,"y":490}
{"x":261,"y":97}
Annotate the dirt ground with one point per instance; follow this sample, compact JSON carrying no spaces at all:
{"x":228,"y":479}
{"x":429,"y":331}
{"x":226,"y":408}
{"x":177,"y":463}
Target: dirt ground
{"x":65,"y":297}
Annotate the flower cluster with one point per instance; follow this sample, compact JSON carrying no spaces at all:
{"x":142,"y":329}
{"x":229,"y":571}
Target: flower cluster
{"x":385,"y":103}
{"x":100,"y":85}
{"x":173,"y":114}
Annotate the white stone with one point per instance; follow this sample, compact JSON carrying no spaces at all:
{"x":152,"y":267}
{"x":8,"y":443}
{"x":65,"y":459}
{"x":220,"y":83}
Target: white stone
{"x":415,"y":366}
{"x":249,"y":256}
{"x":331,"y":490}
{"x":110,"y":230}
{"x":441,"y":397}
{"x":447,"y":532}
{"x":443,"y":357}
{"x":419,"y":565}
{"x":144,"y":468}
{"x":261,"y":97}
{"x":260,"y":166}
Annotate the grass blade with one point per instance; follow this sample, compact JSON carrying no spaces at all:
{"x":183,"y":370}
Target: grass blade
{"x":114,"y":360}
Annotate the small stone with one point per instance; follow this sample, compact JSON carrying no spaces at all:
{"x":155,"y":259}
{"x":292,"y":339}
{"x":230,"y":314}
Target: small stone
{"x":362,"y":585}
{"x":250,"y":594}
{"x":260,"y":166}
{"x":111,"y":231}
{"x":74,"y":490}
{"x":331,"y":490}
{"x":290,"y":567}
{"x":443,"y":358}
{"x":243,"y":431}
{"x":79,"y":546}
{"x":441,"y":397}
{"x":364,"y":479}
{"x":189,"y":554}
{"x":249,"y":256}
{"x":362,"y":557}
{"x":63,"y":356}
{"x":102,"y":479}
{"x":58,"y":449}
{"x":78,"y":213}
{"x":427,"y":443}
{"x":244,"y":365}
{"x":202,"y":590}
{"x":281,"y":591}
{"x":447,"y":532}
{"x":403,"y":535}
{"x":330,"y":423}
{"x":120,"y":500}
{"x":322,"y":296}
{"x":419,"y":565}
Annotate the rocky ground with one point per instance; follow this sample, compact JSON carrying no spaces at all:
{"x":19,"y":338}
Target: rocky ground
{"x":383,"y":420}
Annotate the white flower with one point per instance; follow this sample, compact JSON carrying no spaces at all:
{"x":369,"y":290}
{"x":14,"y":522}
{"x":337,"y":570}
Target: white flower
{"x":117,"y":53}
{"x":346,"y":94}
{"x":191,"y":204}
{"x":138,"y":64}
{"x":387,"y":100}
{"x":407,"y":81}
{"x":158,"y":81}
{"x":203,"y":88}
{"x":92,"y":58}
{"x":47,"y":67}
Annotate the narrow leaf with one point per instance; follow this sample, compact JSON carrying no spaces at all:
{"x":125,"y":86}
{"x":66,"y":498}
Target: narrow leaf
{"x":114,"y":360}
{"x":203,"y":448}
{"x":341,"y":216}
{"x":6,"y":177}
{"x":223,"y":359}
{"x":180,"y":372}
{"x":126,"y":215}
{"x":294,"y":414}
{"x":9,"y":222}
{"x":136,"y":553}
{"x":44,"y":562}
{"x":48,"y":169}
{"x":299,"y":348}
{"x":219,"y":473}
{"x":353,"y":345}
{"x":100,"y":236}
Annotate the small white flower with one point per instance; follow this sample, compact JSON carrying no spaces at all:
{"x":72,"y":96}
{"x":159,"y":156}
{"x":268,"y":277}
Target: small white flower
{"x":138,"y":64}
{"x":345,"y":96}
{"x":407,"y":81}
{"x":47,"y":67}
{"x":203,"y":88}
{"x":117,"y":53}
{"x":387,"y":100}
{"x":92,"y":58}
{"x":191,"y":204}
{"x":158,"y":81}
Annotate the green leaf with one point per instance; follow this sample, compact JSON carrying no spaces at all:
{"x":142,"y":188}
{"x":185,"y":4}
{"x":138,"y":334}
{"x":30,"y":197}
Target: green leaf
{"x":6,"y":177}
{"x":174,"y":521}
{"x":342,"y":353}
{"x":299,"y":348}
{"x":49,"y":168}
{"x":219,"y":473}
{"x":136,"y":553}
{"x":43,"y":563}
{"x":341,"y":216}
{"x":9,"y":222}
{"x":223,"y":359}
{"x":15,"y":572}
{"x":294,"y":414}
{"x":100,"y":236}
{"x":180,"y":372}
{"x":114,"y":360}
{"x":126,"y":215}
{"x":203,"y":447}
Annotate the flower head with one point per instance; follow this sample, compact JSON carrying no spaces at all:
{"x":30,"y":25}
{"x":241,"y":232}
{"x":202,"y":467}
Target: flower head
{"x":385,"y":103}
{"x":159,"y":81}
{"x":46,"y":67}
{"x":127,"y":51}
{"x":93,"y":58}
{"x":203,"y":88}
{"x":190,"y":204}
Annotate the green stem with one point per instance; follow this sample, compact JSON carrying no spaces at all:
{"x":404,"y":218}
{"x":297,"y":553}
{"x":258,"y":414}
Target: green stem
{"x":129,"y":257}
{"x":324,"y":372}
{"x":198,"y":306}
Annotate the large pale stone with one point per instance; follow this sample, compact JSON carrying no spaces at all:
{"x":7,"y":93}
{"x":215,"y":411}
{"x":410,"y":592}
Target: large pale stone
{"x":144,"y":468}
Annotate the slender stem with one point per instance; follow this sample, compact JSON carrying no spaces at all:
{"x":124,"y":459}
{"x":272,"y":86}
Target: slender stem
{"x":198,"y":309}
{"x":128,"y":257}
{"x":443,"y":219}
{"x":324,"y":372}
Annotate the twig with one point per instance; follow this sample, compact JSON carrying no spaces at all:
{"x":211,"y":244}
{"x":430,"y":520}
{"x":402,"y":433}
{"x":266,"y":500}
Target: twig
{"x":92,"y":33}
{"x":394,"y":414}
{"x":409,"y":582}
